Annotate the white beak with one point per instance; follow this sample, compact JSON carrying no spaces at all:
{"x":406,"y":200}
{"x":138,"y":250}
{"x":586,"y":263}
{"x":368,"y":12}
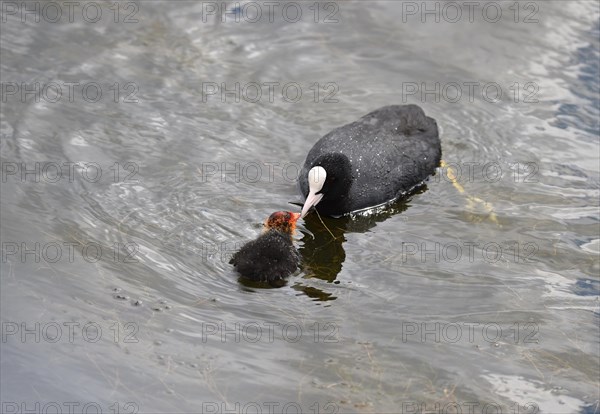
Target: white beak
{"x":316,"y":179}
{"x":312,"y":200}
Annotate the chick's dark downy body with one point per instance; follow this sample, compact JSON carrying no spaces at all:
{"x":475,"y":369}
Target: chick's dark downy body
{"x":272,"y":256}
{"x":269,"y":258}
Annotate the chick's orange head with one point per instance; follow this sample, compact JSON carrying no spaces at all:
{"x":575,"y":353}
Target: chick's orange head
{"x":284,"y":221}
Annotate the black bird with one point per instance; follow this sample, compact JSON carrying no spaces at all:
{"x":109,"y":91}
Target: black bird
{"x":272,"y":256}
{"x":377,"y":159}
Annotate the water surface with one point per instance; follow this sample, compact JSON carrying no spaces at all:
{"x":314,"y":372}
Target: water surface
{"x":486,"y":296}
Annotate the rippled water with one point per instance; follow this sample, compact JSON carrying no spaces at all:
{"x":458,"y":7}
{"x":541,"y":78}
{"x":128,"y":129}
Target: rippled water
{"x":489,"y":295}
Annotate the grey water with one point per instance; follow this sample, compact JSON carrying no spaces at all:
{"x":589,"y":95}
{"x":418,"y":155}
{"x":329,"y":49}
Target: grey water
{"x":144,"y":142}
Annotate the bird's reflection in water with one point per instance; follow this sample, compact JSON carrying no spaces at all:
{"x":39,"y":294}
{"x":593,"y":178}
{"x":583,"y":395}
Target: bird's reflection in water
{"x":322,"y":249}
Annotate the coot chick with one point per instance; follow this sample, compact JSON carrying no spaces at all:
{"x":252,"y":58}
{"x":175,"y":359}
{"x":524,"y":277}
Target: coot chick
{"x":377,"y":159}
{"x":272,"y":256}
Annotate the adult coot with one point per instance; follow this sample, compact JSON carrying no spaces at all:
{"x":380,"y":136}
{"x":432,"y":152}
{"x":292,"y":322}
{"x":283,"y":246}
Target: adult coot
{"x":272,"y":256}
{"x":376,"y":159}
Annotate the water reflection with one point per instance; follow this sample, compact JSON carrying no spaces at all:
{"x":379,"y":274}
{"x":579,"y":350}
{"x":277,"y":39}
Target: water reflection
{"x":322,"y":249}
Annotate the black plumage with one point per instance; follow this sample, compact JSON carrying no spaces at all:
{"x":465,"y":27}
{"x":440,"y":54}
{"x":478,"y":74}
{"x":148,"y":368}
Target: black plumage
{"x":377,"y":159}
{"x":270,"y":258}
